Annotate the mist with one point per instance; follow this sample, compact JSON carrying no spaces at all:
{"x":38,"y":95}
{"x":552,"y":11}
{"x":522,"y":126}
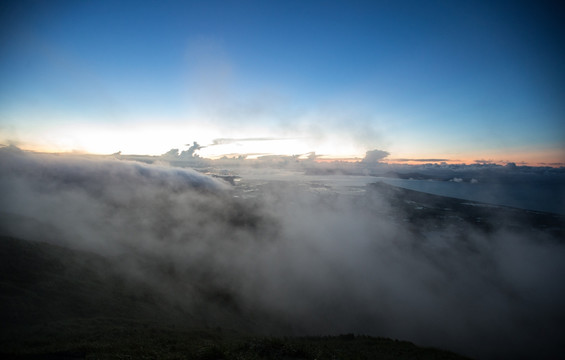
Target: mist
{"x":296,"y":260}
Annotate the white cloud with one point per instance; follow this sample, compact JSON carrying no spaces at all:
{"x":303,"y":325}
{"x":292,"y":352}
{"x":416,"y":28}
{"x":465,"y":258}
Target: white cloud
{"x":316,"y":262}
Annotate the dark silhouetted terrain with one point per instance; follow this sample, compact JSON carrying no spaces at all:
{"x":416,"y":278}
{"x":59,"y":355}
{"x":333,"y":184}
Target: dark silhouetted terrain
{"x":58,"y":303}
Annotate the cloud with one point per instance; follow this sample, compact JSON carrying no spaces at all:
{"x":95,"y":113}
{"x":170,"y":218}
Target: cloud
{"x":556,"y":164}
{"x":374,"y":156}
{"x":188,"y":154}
{"x":191,"y":152}
{"x":173,"y":153}
{"x":422,"y":160}
{"x":298,"y":260}
{"x":486,"y":162}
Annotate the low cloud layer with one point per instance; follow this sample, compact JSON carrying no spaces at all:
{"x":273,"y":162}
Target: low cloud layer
{"x":313,"y":262}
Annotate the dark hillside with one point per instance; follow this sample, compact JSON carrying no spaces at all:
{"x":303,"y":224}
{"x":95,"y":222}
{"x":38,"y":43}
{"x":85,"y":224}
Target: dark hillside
{"x":41,"y":282}
{"x":80,"y":307}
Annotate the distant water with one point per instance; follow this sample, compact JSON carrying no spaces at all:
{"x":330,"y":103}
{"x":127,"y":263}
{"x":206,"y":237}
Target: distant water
{"x":538,"y":196}
{"x":544,"y":194}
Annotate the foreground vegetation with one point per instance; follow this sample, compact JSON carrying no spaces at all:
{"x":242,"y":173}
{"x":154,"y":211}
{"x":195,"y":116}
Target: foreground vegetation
{"x":104,"y":338}
{"x":57,"y":303}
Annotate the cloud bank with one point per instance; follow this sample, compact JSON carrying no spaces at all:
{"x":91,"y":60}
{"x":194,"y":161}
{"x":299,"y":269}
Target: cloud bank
{"x":307,"y":262}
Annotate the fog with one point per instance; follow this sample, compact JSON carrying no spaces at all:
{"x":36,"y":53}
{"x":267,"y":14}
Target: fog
{"x":306,"y":260}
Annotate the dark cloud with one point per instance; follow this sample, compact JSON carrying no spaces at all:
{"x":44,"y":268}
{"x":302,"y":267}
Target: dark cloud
{"x":313,"y":262}
{"x":191,"y":151}
{"x":375,"y":156}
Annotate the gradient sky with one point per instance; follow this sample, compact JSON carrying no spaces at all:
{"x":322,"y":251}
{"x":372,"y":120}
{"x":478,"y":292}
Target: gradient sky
{"x":459,"y":80}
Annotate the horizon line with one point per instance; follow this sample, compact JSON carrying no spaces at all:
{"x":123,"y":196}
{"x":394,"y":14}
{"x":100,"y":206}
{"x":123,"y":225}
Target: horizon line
{"x":321,"y":159}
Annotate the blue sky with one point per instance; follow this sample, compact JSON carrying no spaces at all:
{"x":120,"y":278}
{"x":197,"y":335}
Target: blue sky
{"x":436,"y":79}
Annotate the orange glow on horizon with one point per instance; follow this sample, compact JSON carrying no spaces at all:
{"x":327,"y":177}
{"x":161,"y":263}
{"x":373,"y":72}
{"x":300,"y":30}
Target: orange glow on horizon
{"x":546,"y":157}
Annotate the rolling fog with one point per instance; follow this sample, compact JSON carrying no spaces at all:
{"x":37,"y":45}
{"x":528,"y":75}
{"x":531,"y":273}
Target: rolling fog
{"x":312,"y":262}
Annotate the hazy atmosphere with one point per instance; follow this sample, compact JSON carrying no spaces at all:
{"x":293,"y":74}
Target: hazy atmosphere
{"x":282,"y":168}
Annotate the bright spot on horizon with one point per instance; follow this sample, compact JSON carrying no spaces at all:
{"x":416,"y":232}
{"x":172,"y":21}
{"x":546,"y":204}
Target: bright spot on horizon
{"x":157,"y":140}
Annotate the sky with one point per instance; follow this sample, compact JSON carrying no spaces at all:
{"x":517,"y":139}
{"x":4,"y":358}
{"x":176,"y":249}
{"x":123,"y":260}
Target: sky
{"x":462,"y":81}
